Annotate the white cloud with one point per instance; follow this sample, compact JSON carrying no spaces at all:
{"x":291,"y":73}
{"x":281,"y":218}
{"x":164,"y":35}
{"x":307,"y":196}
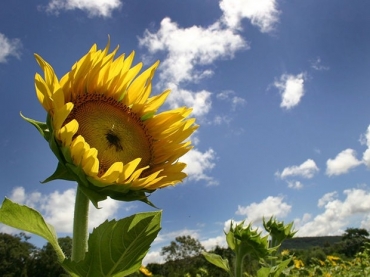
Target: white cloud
{"x":229,"y":96}
{"x":221,"y":119}
{"x":153,"y":257}
{"x":328,"y":197}
{"x":188,"y":52}
{"x":365,"y":139}
{"x":291,"y":88}
{"x":262,"y":13}
{"x":9,"y":47}
{"x":188,"y":47}
{"x":211,"y":243}
{"x":342,"y":163}
{"x":199,"y":101}
{"x":198,"y":163}
{"x":57,"y":208}
{"x":316,"y":64}
{"x":337,"y":214}
{"x":295,"y":185}
{"x":270,"y":206}
{"x":306,"y":170}
{"x":103,"y":8}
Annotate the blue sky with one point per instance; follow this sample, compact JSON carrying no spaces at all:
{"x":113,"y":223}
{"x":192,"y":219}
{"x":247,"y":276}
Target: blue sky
{"x":280,"y":90}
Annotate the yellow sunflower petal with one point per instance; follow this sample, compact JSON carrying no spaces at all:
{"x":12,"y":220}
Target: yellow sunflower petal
{"x":43,"y":93}
{"x":112,"y":173}
{"x":77,"y":149}
{"x":155,"y":102}
{"x":61,"y":115}
{"x":90,"y":162}
{"x":128,"y":169}
{"x":135,"y":92}
{"x":66,"y":133}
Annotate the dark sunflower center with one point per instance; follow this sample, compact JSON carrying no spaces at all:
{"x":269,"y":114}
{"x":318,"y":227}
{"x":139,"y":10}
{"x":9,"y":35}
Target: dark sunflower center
{"x":113,"y":129}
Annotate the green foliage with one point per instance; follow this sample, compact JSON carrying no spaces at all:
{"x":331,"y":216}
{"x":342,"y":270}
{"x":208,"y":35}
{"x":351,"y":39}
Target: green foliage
{"x":278,"y":231}
{"x":116,"y":248}
{"x":29,"y":220}
{"x":218,"y":261}
{"x":15,"y":253}
{"x":183,"y":256}
{"x":45,"y":261}
{"x":183,"y":247}
{"x":353,"y":240}
{"x":250,"y":247}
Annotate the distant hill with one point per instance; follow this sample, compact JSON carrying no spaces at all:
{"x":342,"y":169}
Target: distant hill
{"x":309,"y":242}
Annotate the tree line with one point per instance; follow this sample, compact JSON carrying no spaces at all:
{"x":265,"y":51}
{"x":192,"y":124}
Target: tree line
{"x":183,"y":256}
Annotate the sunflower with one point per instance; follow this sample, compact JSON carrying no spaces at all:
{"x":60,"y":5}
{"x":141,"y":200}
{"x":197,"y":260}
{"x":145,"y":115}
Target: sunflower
{"x":104,"y":128}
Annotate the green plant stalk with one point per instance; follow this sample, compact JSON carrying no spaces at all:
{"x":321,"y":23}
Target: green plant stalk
{"x":239,"y":262}
{"x":273,"y":243}
{"x":80,"y":226}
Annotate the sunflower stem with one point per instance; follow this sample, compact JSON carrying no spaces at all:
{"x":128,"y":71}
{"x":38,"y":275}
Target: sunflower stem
{"x":80,"y":224}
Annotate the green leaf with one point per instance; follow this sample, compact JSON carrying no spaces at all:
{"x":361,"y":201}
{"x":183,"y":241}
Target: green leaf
{"x":217,"y":260}
{"x":42,"y":127}
{"x":274,"y":271}
{"x":29,"y":220}
{"x":117,"y":248}
{"x":263,"y":272}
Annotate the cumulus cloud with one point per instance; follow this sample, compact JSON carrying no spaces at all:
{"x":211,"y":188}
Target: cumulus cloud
{"x":291,"y":88}
{"x":342,"y":163}
{"x":200,"y":101}
{"x":270,"y":206}
{"x":263,"y":13}
{"x":9,"y":47}
{"x":198,"y":163}
{"x":57,"y":208}
{"x":188,"y":52}
{"x":103,"y":8}
{"x":211,"y":243}
{"x":337,"y":214}
{"x":188,"y":47}
{"x":306,"y":170}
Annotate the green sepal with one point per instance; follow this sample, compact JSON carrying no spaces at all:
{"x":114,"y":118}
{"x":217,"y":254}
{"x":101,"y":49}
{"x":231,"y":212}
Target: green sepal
{"x":42,"y":127}
{"x":120,"y":192}
{"x":29,"y":220}
{"x":94,"y":196}
{"x":61,"y":173}
{"x":117,"y":248}
{"x":131,"y":195}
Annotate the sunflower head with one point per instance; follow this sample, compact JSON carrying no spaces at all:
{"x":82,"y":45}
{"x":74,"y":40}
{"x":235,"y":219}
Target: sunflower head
{"x":103,"y":126}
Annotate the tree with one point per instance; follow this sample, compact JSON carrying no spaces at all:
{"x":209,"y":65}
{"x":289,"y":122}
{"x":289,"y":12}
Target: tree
{"x":15,"y":255}
{"x":45,"y":262}
{"x":183,"y":247}
{"x":353,"y":241}
{"x":183,"y":256}
{"x":355,"y":233}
